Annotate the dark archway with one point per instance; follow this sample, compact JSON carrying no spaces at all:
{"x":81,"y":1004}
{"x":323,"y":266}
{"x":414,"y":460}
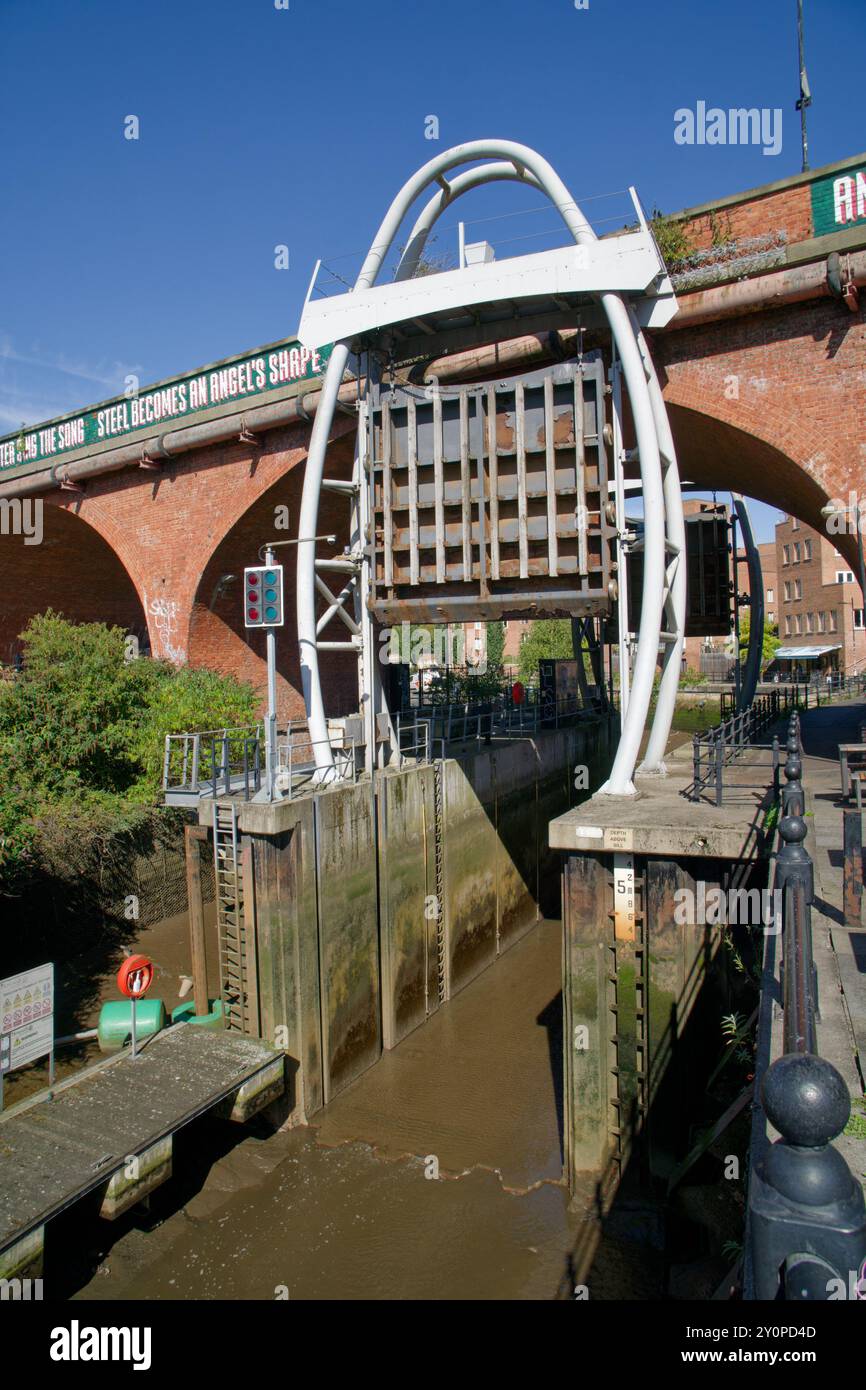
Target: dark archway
{"x":71,"y":570}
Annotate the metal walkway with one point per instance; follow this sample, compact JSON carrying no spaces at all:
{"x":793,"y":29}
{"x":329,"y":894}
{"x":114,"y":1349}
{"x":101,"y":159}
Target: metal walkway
{"x":54,"y":1152}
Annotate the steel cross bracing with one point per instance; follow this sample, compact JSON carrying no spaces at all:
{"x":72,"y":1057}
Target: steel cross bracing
{"x":625,"y":276}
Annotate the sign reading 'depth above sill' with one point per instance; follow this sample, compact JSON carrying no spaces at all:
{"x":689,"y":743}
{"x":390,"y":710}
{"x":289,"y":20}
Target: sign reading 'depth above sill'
{"x":157,"y":408}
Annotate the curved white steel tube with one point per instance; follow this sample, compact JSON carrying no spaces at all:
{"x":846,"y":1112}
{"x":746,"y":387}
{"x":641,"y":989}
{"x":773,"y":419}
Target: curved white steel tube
{"x":674,"y":519}
{"x":306,"y":583}
{"x":675,"y":528}
{"x":523,"y":161}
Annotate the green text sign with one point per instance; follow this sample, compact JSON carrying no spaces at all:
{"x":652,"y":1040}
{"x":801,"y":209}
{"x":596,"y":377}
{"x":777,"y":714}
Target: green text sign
{"x":156,"y":408}
{"x":839,"y":201}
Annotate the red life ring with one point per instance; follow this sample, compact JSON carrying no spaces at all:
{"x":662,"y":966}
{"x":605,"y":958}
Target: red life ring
{"x":135,"y":976}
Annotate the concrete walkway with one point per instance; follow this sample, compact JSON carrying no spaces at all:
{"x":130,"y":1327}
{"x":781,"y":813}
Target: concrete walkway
{"x":840,"y":952}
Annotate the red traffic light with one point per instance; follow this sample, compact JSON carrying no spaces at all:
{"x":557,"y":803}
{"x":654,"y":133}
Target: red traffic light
{"x":263,"y":596}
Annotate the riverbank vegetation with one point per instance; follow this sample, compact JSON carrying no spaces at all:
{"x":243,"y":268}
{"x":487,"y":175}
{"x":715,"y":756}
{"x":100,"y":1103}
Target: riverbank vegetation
{"x":82,"y":731}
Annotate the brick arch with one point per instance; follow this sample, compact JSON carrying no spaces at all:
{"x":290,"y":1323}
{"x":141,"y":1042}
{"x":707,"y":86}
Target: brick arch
{"x":217,"y":637}
{"x":772,"y":402}
{"x":166,"y":524}
{"x":75,"y":570}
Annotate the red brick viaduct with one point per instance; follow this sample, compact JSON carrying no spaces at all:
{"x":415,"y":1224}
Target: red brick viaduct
{"x":764,"y":375}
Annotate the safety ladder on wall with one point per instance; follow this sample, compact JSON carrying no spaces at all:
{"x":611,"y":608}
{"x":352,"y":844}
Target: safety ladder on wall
{"x":442,"y":981}
{"x":237,"y":977}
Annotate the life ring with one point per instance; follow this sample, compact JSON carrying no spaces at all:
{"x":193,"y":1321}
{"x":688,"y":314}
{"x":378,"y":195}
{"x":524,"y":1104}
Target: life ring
{"x":135,"y":976}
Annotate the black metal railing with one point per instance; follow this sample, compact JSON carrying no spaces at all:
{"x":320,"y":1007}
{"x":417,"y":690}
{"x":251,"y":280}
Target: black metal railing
{"x":725,"y":743}
{"x":806,"y":1224}
{"x":221,"y":761}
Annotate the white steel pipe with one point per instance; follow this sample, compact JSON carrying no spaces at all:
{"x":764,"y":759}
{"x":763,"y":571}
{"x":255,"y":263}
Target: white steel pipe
{"x":675,"y":534}
{"x":523,"y":160}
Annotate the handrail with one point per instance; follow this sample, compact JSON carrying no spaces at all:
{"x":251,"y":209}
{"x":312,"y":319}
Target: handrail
{"x":724,"y":743}
{"x":806,"y":1224}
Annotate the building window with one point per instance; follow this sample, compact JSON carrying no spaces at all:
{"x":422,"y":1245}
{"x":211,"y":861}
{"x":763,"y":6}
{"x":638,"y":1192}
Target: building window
{"x":796,"y":552}
{"x":787,"y":591}
{"x":771,"y":597}
{"x":807,"y":550}
{"x":833,"y":620}
{"x":786,"y":555}
{"x":798,"y":624}
{"x":858,"y":617}
{"x":787,"y":625}
{"x":844,"y":577}
{"x":771,"y":617}
{"x":822,"y":622}
{"x":795,"y":525}
{"x":810,"y":622}
{"x":798,"y":588}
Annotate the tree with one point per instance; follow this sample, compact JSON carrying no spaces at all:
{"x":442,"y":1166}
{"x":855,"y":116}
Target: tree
{"x":547,"y":637}
{"x":770,"y":644}
{"x":495,"y":643}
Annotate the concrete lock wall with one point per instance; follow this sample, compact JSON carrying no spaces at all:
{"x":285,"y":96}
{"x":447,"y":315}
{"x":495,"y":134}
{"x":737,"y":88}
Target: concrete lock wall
{"x":285,"y":916}
{"x":642,"y":1013}
{"x":373,"y":906}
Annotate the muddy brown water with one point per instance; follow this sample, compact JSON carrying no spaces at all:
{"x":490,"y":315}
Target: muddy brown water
{"x":436,"y":1175}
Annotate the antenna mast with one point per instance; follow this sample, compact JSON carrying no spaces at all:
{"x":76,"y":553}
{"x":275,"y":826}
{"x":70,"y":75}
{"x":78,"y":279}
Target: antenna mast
{"x":805,"y":94}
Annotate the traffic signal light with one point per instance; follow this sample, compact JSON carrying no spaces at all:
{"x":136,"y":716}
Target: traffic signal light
{"x":263,"y":596}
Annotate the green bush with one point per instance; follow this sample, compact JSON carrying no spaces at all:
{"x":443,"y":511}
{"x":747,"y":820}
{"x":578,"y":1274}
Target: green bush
{"x":82,"y":732}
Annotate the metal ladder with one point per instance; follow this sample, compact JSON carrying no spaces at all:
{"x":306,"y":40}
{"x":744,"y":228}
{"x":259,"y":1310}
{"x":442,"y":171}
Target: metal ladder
{"x":231,"y":928}
{"x":441,"y":936}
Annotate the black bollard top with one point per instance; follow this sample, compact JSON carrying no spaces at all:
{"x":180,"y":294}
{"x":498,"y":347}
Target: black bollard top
{"x":793,"y":767}
{"x":793,"y":830}
{"x":806,"y":1099}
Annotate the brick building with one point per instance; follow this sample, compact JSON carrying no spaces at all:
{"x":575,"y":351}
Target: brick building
{"x":820,"y":608}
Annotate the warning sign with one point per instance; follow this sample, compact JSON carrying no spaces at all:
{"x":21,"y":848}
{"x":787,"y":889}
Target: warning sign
{"x":26,"y":1017}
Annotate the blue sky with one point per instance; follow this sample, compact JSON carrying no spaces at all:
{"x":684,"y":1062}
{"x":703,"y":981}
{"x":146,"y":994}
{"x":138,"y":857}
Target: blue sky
{"x":261,"y":127}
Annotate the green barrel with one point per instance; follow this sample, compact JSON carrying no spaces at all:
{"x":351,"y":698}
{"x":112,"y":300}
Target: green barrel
{"x":114,"y":1030}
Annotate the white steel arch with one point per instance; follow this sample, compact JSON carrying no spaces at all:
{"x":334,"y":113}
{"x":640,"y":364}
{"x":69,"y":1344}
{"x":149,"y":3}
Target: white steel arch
{"x":661,"y":587}
{"x":674,"y":608}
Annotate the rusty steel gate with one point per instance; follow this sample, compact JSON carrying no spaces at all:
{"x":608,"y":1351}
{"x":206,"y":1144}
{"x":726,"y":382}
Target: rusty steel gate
{"x":491,"y":500}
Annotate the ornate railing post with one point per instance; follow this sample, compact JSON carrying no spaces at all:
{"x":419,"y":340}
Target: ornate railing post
{"x":793,"y":862}
{"x":792,"y":792}
{"x":806,"y":1210}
